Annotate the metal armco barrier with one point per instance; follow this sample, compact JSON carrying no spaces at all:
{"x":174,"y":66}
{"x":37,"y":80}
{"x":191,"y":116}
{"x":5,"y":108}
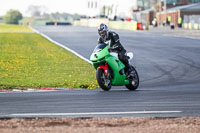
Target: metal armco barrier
{"x":133,"y":25}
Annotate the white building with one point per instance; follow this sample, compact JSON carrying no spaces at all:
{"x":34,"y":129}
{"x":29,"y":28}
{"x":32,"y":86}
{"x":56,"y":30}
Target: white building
{"x":109,"y":7}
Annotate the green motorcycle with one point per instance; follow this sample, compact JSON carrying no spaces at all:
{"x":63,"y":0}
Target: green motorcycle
{"x":110,"y":70}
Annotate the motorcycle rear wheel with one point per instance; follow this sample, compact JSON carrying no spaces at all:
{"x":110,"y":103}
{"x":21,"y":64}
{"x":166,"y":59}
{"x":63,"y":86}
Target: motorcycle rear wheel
{"x":135,"y":82}
{"x":105,"y":82}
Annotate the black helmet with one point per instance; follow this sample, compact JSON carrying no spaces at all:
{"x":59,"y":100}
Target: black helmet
{"x":102,"y":30}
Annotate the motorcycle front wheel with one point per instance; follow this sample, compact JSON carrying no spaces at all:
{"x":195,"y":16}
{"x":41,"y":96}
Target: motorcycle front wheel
{"x":105,"y":82}
{"x":134,"y":83}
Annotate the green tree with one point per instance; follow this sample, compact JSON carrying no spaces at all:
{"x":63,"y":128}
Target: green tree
{"x":12,"y":17}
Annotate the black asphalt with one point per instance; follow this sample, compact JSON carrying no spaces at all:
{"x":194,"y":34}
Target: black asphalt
{"x":169,"y":70}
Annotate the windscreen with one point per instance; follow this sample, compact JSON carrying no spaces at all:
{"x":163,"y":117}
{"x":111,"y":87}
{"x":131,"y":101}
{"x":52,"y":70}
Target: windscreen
{"x":99,"y":47}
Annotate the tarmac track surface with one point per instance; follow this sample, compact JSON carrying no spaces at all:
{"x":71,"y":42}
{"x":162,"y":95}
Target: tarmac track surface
{"x":169,"y":70}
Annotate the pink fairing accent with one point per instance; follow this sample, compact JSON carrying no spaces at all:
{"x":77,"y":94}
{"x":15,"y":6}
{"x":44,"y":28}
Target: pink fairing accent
{"x":105,"y":68}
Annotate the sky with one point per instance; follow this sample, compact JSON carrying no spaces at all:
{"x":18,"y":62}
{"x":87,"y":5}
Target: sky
{"x":70,"y":6}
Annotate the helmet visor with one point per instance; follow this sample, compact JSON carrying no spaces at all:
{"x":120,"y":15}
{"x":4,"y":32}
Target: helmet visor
{"x":102,"y":33}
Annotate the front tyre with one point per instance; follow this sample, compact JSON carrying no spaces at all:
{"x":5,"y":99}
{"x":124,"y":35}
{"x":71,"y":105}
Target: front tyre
{"x":134,"y":82}
{"x":105,"y":82}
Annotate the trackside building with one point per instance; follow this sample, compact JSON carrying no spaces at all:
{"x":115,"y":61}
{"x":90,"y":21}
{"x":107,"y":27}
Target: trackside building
{"x":189,"y":13}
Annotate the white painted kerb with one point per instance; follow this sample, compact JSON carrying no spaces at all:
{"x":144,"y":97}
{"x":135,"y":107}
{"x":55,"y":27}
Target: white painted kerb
{"x":95,"y":113}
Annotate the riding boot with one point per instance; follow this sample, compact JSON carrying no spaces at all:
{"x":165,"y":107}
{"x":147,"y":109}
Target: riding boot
{"x":130,"y":72}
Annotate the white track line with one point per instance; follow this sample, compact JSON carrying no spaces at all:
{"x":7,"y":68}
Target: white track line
{"x":61,"y":45}
{"x":95,"y":113}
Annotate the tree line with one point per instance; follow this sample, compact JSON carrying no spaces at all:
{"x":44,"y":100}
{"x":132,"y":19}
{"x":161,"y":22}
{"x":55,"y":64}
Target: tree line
{"x":38,"y":13}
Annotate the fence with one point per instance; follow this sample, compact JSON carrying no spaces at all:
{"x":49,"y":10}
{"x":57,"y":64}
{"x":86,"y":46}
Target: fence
{"x":191,"y":22}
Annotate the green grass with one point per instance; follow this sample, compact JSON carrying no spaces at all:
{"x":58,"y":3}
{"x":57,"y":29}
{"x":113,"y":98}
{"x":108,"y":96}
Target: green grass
{"x":13,"y":28}
{"x":29,"y":60}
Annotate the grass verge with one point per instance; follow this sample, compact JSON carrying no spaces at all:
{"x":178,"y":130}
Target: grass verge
{"x":13,"y":28}
{"x":29,"y":60}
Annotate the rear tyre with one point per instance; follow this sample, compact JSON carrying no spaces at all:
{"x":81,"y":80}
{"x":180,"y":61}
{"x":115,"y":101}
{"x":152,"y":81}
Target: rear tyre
{"x":134,"y":82}
{"x":105,"y":82}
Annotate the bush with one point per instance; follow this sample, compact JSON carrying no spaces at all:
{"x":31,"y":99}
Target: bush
{"x":12,"y":17}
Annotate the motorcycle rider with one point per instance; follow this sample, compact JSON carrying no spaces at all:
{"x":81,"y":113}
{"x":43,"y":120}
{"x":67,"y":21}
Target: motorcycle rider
{"x":115,"y":45}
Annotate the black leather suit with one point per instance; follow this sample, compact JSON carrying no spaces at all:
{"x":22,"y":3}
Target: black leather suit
{"x":112,"y":38}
